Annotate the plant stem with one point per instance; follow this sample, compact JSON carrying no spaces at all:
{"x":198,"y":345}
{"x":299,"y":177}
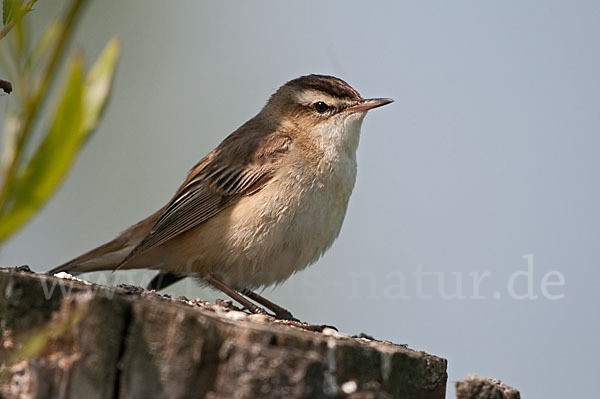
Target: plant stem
{"x":26,"y":8}
{"x":33,"y":105}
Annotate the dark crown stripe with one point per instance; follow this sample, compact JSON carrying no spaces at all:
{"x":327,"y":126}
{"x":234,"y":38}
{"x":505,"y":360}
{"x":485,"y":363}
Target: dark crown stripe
{"x":327,"y":84}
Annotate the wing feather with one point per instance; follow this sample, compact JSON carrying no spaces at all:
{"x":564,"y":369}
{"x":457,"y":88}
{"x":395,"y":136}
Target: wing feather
{"x":216,"y":183}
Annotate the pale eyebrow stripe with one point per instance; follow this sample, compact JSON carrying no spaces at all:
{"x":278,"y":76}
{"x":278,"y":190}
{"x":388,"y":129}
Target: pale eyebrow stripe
{"x":308,"y":97}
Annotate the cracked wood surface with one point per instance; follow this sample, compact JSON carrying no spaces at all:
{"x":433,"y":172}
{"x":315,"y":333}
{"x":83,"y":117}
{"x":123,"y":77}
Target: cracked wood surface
{"x":124,"y":342}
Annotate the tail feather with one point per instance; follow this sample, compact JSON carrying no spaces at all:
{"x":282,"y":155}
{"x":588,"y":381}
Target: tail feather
{"x":105,"y":257}
{"x":164,"y":279}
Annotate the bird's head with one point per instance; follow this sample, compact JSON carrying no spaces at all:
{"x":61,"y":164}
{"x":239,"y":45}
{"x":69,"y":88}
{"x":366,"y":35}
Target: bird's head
{"x":320,"y":105}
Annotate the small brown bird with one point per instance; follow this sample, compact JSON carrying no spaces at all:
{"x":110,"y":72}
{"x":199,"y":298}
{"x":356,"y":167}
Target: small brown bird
{"x":264,"y":204}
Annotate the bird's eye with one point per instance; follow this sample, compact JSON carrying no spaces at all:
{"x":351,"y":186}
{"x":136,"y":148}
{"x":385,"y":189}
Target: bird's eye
{"x":321,"y":107}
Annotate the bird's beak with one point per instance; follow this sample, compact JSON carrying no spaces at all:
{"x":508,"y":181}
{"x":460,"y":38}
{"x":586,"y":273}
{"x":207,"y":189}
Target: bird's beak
{"x":368,"y":104}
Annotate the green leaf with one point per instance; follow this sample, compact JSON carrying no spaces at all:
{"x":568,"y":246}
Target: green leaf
{"x":98,"y":84}
{"x":77,"y":116}
{"x":33,"y":185}
{"x":45,"y":44}
{"x":9,"y":142}
{"x":10,"y":8}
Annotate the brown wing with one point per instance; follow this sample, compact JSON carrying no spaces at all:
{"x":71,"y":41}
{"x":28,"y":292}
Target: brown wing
{"x":238,"y":167}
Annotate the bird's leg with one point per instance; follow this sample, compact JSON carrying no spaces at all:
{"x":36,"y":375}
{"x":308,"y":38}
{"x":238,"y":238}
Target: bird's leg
{"x":280,"y":313}
{"x":283,"y":316}
{"x":221,"y":286}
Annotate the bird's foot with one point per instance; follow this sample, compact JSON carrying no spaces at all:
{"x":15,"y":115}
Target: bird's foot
{"x":305,"y":326}
{"x":252,"y":308}
{"x":279,"y":312}
{"x":284,"y":314}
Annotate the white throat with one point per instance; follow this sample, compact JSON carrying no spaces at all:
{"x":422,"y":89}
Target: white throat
{"x":340,"y":136}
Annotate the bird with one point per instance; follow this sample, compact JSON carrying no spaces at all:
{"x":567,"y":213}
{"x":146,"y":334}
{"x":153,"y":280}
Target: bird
{"x":267,"y":202}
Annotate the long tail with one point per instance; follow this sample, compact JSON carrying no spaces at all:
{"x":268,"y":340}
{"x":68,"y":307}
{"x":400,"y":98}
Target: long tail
{"x":105,"y":257}
{"x":108,"y":256}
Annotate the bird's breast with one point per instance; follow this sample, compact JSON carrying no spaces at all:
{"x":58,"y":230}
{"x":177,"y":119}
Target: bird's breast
{"x":291,"y":222}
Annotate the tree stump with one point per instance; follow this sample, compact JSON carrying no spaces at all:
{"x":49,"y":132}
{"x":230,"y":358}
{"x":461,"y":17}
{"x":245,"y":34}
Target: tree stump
{"x":476,"y":387}
{"x":64,"y":338}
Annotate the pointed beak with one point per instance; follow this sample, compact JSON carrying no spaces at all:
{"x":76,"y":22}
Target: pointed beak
{"x":368,"y":104}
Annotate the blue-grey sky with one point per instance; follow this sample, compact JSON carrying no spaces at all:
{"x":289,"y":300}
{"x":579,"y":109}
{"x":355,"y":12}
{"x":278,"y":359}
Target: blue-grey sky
{"x":485,"y":166}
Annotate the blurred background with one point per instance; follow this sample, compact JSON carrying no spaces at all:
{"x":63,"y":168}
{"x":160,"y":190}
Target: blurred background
{"x":473,"y":229}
